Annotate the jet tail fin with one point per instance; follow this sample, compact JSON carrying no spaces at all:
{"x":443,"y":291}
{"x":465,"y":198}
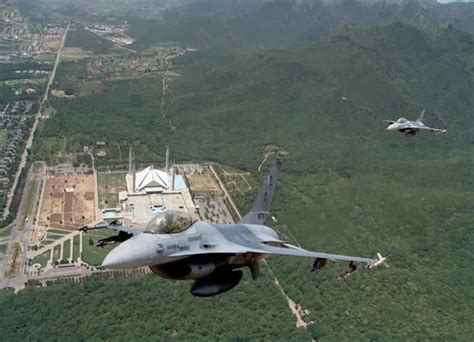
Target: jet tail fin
{"x":261,"y":207}
{"x":422,"y":115}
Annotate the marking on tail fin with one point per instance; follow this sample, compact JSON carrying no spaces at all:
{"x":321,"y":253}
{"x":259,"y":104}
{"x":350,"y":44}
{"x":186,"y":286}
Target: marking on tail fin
{"x":261,"y":207}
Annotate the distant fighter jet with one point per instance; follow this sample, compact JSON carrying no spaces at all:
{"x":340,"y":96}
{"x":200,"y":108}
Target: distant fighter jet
{"x":411,"y":127}
{"x":176,"y":247}
{"x":381,"y":260}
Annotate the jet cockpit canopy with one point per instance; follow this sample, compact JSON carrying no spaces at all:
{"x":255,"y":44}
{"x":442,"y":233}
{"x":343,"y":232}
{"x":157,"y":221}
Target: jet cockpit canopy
{"x":402,"y":120}
{"x":169,"y":222}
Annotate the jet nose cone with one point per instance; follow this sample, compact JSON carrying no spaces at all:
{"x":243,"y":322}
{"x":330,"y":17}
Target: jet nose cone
{"x":115,"y":259}
{"x":391,"y":127}
{"x":135,"y":252}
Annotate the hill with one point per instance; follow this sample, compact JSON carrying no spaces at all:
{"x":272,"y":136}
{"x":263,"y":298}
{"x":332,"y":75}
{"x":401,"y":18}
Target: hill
{"x":280,"y":24}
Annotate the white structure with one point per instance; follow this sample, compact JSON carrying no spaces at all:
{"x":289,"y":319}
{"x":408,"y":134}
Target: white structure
{"x":152,"y":179}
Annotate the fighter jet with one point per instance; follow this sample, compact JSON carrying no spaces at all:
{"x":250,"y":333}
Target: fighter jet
{"x":175,"y":246}
{"x":381,"y":260}
{"x":410,"y":128}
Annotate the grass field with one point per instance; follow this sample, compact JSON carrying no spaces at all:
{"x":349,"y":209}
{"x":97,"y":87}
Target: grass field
{"x":50,"y":236}
{"x":90,"y":253}
{"x":37,"y":167}
{"x":3,"y":247}
{"x":110,"y":184}
{"x":46,"y":242}
{"x":203,"y":183}
{"x":66,"y":249}
{"x":75,"y":247}
{"x":42,"y":258}
{"x":5,"y":232}
{"x":58,"y":231}
{"x":3,"y":138}
{"x":13,"y":261}
{"x":29,"y":199}
{"x":56,"y":253}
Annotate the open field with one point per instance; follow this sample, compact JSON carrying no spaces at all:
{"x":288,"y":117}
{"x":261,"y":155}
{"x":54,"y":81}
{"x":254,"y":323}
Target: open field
{"x":90,"y":253}
{"x":37,"y":167}
{"x":75,"y":247}
{"x":13,"y":261}
{"x":66,"y":249}
{"x":30,"y":198}
{"x":74,"y":53}
{"x":53,"y":236}
{"x":3,"y":138}
{"x":42,"y":259}
{"x":56,"y":253}
{"x":68,"y":202}
{"x":58,"y":231}
{"x":203,"y":183}
{"x":109,"y":185}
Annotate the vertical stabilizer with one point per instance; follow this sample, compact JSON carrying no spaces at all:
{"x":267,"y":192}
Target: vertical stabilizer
{"x":422,"y":115}
{"x":261,"y":207}
{"x":134,"y":172}
{"x":130,"y":160}
{"x":167,"y":159}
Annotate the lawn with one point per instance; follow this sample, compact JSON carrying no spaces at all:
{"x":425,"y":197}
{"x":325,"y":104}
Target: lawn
{"x":66,"y":249}
{"x":75,"y":247}
{"x":50,"y":236}
{"x":42,"y":258}
{"x":56,"y":253}
{"x":58,"y":231}
{"x":29,"y":198}
{"x":3,"y":138}
{"x":37,"y":167}
{"x":110,"y":184}
{"x":90,"y":253}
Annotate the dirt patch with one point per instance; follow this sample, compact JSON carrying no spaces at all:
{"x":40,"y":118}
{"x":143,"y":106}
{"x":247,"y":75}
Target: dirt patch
{"x":75,"y":53}
{"x":203,"y":183}
{"x":89,"y":196}
{"x":60,"y":93}
{"x":55,"y":218}
{"x":68,"y":202}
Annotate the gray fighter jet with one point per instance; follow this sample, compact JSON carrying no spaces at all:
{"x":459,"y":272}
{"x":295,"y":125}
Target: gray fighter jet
{"x":176,"y":247}
{"x":410,"y":128}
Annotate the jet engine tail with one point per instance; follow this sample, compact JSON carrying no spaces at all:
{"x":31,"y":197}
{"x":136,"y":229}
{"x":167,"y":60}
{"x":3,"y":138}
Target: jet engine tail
{"x":261,"y":207}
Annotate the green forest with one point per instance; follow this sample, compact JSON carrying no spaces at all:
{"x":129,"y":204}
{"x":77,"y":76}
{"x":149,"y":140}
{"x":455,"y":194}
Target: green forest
{"x":347,"y":185}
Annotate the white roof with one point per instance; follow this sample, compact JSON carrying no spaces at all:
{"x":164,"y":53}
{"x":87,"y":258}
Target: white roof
{"x":151,"y":178}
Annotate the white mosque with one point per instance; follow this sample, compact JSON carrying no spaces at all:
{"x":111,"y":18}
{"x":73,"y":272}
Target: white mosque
{"x":152,"y":180}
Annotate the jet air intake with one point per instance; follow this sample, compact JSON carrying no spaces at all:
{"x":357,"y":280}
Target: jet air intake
{"x":184,"y":269}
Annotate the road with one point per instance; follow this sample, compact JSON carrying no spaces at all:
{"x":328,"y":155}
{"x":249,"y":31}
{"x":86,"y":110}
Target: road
{"x":21,"y":235}
{"x":16,"y":235}
{"x":29,"y":141}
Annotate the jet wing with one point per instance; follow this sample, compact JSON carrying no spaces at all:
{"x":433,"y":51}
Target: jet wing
{"x":264,"y":248}
{"x":433,"y":129}
{"x":287,"y":249}
{"x":113,"y":226}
